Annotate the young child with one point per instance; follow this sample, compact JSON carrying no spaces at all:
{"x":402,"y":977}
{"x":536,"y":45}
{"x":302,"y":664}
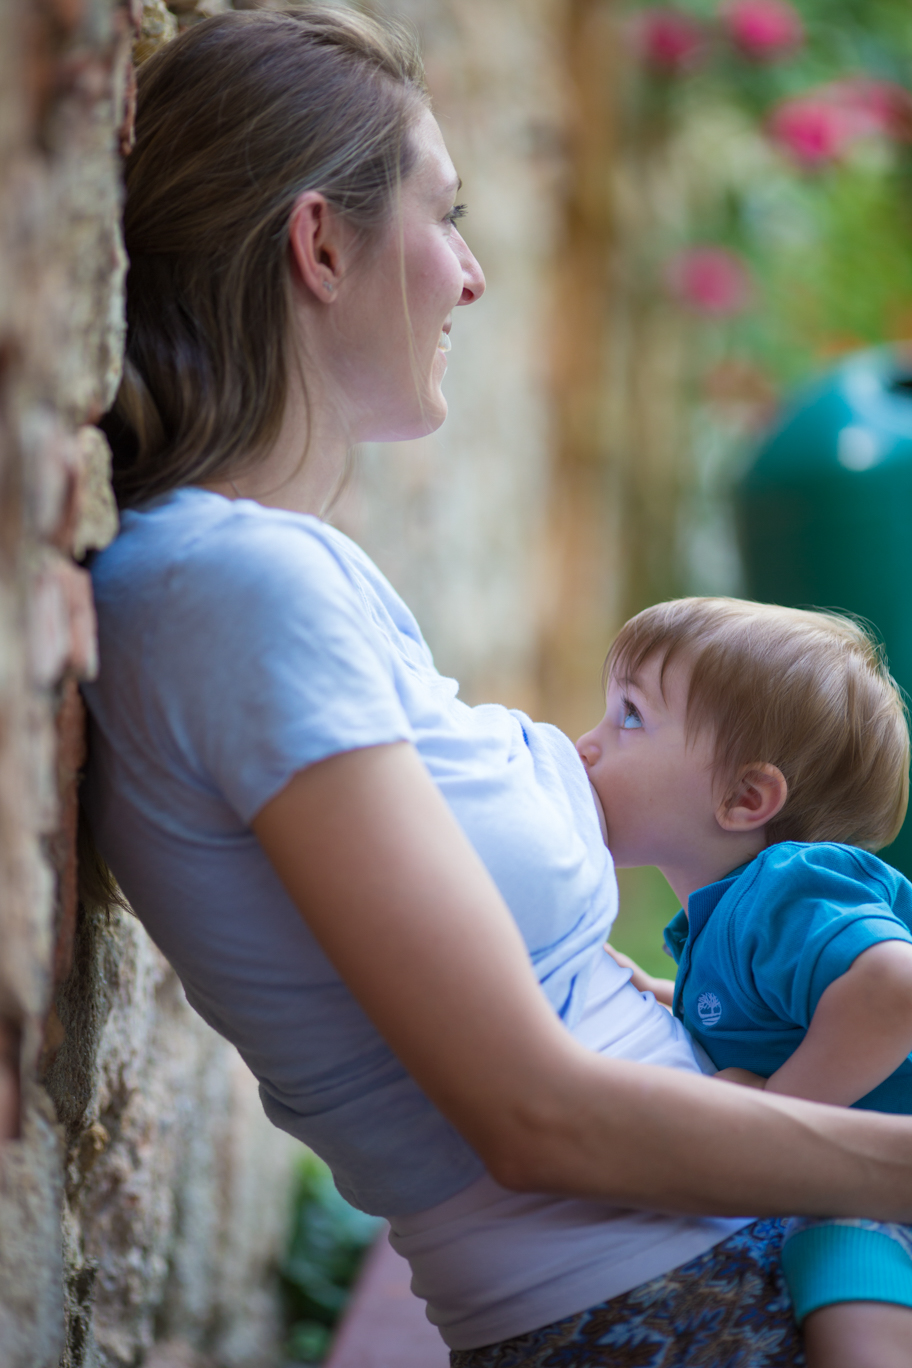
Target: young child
{"x":757,"y":755}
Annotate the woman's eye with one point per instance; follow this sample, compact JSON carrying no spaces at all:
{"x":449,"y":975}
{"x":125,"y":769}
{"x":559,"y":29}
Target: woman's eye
{"x":458,"y":211}
{"x":631,"y":717}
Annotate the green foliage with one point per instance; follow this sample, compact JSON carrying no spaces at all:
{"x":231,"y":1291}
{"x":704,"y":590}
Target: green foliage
{"x":833,"y":266}
{"x":647,"y":906}
{"x":830,"y":248}
{"x":326,"y":1248}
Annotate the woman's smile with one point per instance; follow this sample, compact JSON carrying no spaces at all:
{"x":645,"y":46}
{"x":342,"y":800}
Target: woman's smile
{"x":401,"y":309}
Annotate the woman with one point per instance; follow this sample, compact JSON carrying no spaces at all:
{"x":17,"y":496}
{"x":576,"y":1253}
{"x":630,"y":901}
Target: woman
{"x":391,"y":903}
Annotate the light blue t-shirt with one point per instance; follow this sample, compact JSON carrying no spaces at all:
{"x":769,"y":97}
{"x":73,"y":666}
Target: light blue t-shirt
{"x":760,"y":947}
{"x":238,"y":645}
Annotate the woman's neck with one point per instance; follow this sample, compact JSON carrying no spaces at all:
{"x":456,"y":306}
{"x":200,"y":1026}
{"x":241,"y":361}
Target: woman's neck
{"x":303,"y":467}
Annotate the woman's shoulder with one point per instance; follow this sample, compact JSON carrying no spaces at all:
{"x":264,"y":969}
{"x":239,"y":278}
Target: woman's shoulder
{"x":236,"y":641}
{"x":193,"y":545}
{"x":196,"y":525}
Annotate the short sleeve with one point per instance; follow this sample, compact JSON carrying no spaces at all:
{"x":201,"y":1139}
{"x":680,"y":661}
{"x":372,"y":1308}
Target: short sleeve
{"x":265,"y":658}
{"x":817,"y":912}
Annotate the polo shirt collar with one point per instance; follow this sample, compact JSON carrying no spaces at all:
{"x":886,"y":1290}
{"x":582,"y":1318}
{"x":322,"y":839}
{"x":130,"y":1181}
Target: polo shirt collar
{"x":703,"y":902}
{"x":700,"y":906}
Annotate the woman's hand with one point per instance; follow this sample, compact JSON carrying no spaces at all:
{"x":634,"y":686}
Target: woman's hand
{"x":404,"y":908}
{"x":661,"y":989}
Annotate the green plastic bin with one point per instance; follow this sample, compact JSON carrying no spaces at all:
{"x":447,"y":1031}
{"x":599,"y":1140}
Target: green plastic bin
{"x":824,"y":511}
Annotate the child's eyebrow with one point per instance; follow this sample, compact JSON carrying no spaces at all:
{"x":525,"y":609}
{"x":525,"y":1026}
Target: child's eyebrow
{"x":632,"y":681}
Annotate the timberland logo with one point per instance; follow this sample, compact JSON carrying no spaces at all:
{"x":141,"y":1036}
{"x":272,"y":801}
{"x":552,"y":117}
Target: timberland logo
{"x":709,"y":1009}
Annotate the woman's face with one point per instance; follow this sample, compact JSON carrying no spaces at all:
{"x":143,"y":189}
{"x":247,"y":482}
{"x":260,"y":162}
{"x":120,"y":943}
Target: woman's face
{"x":394,"y":319}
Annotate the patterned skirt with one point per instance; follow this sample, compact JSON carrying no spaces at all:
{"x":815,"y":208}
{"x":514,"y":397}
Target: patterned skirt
{"x":728,"y":1308}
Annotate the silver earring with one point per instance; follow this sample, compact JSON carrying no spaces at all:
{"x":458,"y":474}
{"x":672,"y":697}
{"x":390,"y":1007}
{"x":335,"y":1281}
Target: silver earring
{"x":327,"y":285}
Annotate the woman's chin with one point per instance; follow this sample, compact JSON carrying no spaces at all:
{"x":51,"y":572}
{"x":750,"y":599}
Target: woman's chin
{"x":421,"y":423}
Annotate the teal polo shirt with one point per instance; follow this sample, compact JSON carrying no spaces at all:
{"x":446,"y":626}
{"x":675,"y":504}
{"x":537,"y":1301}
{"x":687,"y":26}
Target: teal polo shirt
{"x":760,"y":946}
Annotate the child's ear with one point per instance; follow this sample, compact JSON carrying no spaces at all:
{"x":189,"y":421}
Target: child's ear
{"x":755,"y":799}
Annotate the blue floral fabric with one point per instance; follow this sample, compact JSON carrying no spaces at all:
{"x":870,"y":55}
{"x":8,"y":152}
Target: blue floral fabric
{"x":729,"y":1308}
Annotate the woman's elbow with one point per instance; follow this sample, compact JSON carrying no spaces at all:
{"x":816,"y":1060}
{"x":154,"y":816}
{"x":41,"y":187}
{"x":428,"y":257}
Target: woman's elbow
{"x":525,"y":1152}
{"x":518,"y":1168}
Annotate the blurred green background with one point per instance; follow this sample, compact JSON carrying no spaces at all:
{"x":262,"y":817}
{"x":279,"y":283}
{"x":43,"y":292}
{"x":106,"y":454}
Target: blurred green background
{"x":768,"y":154}
{"x":647,"y":906}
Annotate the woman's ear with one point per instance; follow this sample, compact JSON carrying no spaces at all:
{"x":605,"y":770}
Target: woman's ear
{"x":755,"y":799}
{"x":317,"y":239}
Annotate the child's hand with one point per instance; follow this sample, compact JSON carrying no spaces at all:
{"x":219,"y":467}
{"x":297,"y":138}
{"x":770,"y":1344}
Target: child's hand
{"x":742,"y":1076}
{"x":662,"y":989}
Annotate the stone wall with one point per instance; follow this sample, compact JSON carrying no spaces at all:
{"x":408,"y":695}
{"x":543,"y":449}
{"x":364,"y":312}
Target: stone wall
{"x":143,"y":1197}
{"x":175,"y":1186}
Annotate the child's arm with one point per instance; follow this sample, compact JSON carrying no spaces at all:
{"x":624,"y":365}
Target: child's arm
{"x":663,"y":989}
{"x":860,"y":1033}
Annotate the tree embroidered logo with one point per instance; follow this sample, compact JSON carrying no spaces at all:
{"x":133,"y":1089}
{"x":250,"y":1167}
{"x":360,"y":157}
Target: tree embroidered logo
{"x":709,"y":1009}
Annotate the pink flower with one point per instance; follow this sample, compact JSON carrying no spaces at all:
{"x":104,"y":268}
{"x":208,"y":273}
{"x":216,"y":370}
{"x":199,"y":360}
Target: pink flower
{"x":874,"y":107}
{"x":710,"y":280}
{"x":763,"y":30}
{"x":668,"y":40}
{"x":813,"y":130}
{"x":819,"y":128}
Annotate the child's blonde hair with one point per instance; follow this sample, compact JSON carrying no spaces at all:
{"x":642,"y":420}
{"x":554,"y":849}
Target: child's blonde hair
{"x":809,"y":692}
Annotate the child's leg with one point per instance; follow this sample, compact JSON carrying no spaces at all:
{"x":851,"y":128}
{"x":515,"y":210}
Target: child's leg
{"x":859,"y":1335}
{"x":851,"y":1287}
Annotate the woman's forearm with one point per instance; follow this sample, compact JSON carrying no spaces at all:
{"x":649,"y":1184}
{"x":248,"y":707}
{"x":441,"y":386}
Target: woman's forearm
{"x":659,"y":1138}
{"x":404,"y":908}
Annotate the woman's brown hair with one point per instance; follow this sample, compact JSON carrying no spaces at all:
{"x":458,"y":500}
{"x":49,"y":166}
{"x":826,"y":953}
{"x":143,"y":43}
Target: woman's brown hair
{"x":806,"y":691}
{"x":235,"y":119}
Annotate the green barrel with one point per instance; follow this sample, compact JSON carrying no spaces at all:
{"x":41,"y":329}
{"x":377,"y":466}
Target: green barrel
{"x":825,"y":510}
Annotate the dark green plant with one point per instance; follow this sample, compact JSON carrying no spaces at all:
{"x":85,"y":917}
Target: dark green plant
{"x":326,"y":1248}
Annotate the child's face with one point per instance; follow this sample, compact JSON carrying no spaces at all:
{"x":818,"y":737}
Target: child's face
{"x":655,"y":785}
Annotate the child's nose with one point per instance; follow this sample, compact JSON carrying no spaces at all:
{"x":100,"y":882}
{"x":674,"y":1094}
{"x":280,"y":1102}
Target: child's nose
{"x":587,"y":749}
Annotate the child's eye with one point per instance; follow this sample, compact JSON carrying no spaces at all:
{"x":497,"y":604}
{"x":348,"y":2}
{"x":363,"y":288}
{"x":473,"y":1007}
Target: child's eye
{"x":631,"y":716}
{"x":458,"y":211}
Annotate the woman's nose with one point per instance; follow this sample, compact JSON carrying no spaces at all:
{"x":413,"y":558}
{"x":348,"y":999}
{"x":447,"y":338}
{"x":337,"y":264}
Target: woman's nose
{"x":473,"y":281}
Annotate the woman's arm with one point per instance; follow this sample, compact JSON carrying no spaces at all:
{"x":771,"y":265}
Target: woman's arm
{"x":859,"y":1035}
{"x":388,"y":883}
